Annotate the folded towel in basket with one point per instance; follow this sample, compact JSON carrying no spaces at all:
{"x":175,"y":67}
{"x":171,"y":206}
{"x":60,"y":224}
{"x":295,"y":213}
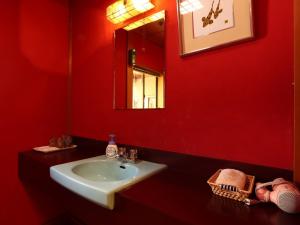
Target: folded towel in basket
{"x":232,"y":177}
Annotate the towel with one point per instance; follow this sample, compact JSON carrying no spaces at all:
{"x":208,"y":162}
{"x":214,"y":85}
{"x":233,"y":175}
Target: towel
{"x":232,"y":177}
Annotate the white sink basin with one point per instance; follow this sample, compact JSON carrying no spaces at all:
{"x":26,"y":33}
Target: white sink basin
{"x":105,"y":171}
{"x":98,"y":178}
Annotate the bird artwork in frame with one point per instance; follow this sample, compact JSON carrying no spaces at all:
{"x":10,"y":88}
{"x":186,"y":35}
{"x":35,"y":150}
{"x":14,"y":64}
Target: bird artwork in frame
{"x":207,"y":24}
{"x":216,"y":15}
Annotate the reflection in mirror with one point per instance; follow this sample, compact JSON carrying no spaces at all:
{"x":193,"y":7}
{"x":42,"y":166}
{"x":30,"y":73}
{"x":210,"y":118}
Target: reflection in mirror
{"x":139,"y":73}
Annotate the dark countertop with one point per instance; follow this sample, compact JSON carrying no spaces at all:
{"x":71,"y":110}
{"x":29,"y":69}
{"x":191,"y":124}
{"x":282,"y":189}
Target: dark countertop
{"x":180,"y":192}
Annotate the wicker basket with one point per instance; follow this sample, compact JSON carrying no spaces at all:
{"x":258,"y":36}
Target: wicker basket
{"x":239,"y":195}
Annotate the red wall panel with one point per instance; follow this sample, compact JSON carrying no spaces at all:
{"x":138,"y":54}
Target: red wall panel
{"x":232,"y":103}
{"x":33,"y":96}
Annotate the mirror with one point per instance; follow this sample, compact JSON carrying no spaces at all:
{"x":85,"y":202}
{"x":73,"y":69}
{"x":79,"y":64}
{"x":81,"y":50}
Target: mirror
{"x":139,"y":64}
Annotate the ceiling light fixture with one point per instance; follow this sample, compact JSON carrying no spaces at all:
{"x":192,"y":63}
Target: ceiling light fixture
{"x":149,"y":19}
{"x":122,"y":10}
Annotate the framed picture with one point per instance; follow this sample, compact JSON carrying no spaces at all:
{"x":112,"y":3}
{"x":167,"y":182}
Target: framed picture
{"x":207,"y":24}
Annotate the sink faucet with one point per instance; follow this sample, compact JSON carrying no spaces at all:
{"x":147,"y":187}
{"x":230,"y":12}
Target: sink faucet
{"x":123,"y":155}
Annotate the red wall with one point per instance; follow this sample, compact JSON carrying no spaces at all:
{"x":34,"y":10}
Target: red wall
{"x":232,"y":103}
{"x":33,"y":62}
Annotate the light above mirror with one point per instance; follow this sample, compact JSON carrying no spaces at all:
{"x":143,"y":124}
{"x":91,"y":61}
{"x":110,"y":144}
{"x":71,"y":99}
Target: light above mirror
{"x":122,"y":10}
{"x":139,"y":71}
{"x":155,"y":17}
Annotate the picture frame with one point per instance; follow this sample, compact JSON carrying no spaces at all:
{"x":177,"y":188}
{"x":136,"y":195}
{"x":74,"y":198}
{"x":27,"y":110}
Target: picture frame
{"x":209,"y":24}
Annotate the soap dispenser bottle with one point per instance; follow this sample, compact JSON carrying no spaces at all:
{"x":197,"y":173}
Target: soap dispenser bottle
{"x":112,"y":148}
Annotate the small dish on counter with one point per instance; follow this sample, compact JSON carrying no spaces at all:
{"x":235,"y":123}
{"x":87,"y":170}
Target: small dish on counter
{"x":46,"y":149}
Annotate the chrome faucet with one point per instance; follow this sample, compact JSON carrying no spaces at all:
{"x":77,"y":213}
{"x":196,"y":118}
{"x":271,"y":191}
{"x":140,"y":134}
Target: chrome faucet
{"x":123,"y":155}
{"x":133,"y":155}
